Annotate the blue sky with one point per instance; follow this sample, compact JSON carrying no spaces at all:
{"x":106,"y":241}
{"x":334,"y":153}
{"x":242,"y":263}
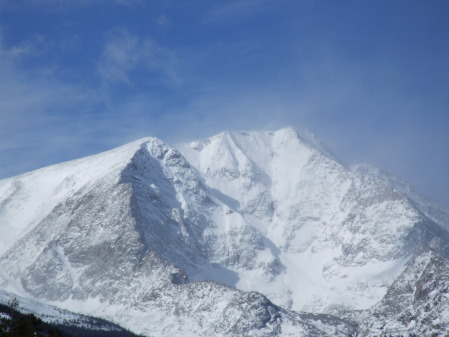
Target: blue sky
{"x":369,"y":78}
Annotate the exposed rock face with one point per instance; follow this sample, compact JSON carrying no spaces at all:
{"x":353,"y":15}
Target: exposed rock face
{"x":157,"y":238}
{"x":417,"y":301}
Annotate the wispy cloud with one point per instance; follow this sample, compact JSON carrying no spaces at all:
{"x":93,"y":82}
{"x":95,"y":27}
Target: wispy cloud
{"x":34,"y":45}
{"x":37,"y":111}
{"x":129,"y":2}
{"x":237,"y":11}
{"x":46,"y":118}
{"x":162,"y":20}
{"x":124,"y":53}
{"x":183,"y":70}
{"x":62,"y":5}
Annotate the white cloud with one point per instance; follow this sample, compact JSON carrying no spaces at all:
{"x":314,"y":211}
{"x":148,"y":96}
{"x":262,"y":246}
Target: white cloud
{"x":34,"y":45}
{"x":129,"y":2}
{"x":38,"y":112}
{"x":63,"y":5}
{"x":162,"y":20}
{"x":124,"y":53}
{"x":46,"y":119}
{"x":237,"y":11}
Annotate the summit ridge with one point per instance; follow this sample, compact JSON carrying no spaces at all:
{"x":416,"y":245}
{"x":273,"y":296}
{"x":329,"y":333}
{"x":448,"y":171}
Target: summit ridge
{"x":241,"y":233}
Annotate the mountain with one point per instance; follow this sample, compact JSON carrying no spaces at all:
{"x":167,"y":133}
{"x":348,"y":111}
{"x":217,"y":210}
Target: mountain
{"x":417,"y":300}
{"x":54,"y":319}
{"x":240,"y":234}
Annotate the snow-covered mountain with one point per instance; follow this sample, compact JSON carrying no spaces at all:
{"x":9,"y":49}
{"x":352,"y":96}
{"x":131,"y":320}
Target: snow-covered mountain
{"x":70,"y":323}
{"x":418,"y":301}
{"x":171,"y":241}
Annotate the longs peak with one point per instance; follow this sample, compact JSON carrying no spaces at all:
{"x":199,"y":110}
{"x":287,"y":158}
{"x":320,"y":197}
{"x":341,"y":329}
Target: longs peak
{"x":189,"y":236}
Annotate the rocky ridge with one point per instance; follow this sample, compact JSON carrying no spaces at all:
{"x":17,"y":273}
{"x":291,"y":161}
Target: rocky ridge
{"x":157,"y":238}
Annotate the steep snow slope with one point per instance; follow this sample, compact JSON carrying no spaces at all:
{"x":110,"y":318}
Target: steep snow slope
{"x":433,"y":210}
{"x":332,"y":236}
{"x":27,"y":199}
{"x":114,"y":245}
{"x":123,"y":234}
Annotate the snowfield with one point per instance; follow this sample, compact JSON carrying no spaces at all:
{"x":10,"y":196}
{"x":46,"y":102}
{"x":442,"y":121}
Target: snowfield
{"x":240,"y":234}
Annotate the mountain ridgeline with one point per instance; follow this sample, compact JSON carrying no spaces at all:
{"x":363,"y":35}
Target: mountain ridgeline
{"x":243,"y":234}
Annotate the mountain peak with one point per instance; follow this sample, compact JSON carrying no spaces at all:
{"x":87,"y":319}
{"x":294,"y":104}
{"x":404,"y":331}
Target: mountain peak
{"x":287,"y":133}
{"x":156,"y":230}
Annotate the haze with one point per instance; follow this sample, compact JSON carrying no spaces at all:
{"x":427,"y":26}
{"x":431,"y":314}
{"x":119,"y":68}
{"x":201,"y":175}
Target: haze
{"x":369,"y":78}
